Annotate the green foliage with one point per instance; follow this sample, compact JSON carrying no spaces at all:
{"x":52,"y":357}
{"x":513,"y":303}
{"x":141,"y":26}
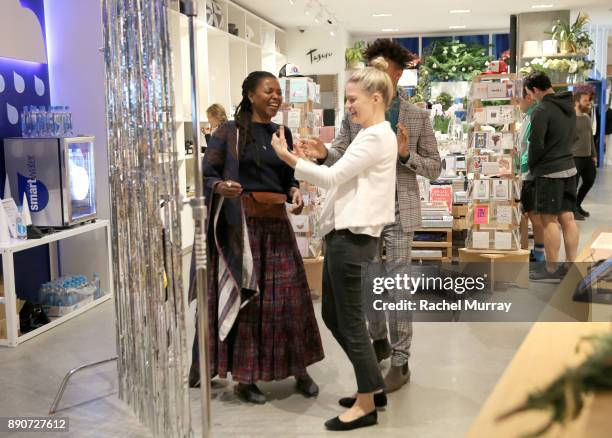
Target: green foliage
{"x":445,"y":99}
{"x":455,"y":61}
{"x":441,"y":123}
{"x":575,"y":35}
{"x":355,"y":53}
{"x":564,"y":397}
{"x":423,"y":90}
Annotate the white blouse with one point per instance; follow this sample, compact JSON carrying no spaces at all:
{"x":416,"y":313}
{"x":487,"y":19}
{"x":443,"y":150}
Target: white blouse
{"x":361,"y":184}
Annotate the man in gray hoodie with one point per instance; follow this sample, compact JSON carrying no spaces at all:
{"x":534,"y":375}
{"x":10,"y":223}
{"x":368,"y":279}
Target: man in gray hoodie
{"x":551,"y":162}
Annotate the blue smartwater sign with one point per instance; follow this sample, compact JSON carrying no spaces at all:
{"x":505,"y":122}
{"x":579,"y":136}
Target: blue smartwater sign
{"x":24,"y":81}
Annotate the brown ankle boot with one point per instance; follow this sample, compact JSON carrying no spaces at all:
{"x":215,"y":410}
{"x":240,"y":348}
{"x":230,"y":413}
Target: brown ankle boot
{"x":396,"y":377}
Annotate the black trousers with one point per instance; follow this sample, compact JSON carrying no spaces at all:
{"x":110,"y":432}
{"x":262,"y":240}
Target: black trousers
{"x":342,"y":307}
{"x":587,"y":171}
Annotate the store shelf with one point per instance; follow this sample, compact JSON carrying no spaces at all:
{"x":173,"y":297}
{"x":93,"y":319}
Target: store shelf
{"x":421,"y":244}
{"x":443,"y":259}
{"x":236,"y":39}
{"x":55,"y":322}
{"x":425,"y":229}
{"x":19,"y":245}
{"x":558,"y":55}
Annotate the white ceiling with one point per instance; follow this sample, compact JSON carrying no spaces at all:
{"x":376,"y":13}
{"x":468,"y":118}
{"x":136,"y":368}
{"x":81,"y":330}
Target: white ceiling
{"x":414,"y":16}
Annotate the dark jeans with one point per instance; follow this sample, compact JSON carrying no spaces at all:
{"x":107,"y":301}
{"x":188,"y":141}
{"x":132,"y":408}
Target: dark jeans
{"x":342,"y":307}
{"x":586,"y":171}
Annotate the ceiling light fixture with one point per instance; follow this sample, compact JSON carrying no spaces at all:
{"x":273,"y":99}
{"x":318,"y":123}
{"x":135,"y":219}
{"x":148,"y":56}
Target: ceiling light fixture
{"x":542,"y":6}
{"x":321,"y":15}
{"x":459,"y":11}
{"x":459,"y":26}
{"x":381,"y":15}
{"x":389,"y":30}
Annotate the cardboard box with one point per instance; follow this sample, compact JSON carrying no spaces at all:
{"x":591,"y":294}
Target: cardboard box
{"x":314,"y":274}
{"x":3,"y":321}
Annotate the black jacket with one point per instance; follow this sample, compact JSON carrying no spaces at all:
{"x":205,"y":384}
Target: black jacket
{"x":553,"y":132}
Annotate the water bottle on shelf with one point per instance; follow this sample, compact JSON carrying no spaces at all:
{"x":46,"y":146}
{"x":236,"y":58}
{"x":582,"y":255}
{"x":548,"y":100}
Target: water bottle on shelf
{"x":33,"y":128}
{"x":22,"y":229}
{"x":67,"y":122}
{"x":96,"y":284}
{"x":25,"y":120}
{"x":53,"y":121}
{"x":43,"y":121}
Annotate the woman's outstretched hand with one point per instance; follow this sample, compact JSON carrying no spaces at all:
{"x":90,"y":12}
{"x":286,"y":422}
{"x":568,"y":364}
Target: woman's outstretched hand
{"x":279,"y":143}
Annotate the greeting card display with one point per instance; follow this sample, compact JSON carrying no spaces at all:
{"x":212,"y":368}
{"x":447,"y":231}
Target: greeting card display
{"x":477,"y":161}
{"x":503,"y":240}
{"x":493,"y":163}
{"x":503,"y":214}
{"x":481,"y":214}
{"x":500,"y":115}
{"x":481,"y":189}
{"x":480,"y":239}
{"x":480,"y":140}
{"x":500,"y":190}
{"x":489,"y":168}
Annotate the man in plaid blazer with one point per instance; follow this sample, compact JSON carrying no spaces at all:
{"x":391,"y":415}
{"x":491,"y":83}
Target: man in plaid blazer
{"x":417,"y":155}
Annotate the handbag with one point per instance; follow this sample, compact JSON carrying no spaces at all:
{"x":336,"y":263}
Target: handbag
{"x":269,"y":198}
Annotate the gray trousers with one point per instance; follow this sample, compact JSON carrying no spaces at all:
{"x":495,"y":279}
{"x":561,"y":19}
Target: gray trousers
{"x":398,"y":246}
{"x":341,"y":302}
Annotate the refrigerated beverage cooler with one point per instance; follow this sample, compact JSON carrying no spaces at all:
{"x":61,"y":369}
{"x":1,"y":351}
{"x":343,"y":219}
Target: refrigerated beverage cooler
{"x":57,"y":175}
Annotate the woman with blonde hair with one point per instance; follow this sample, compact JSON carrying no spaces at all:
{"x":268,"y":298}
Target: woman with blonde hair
{"x":216,"y":117}
{"x":360,"y":201}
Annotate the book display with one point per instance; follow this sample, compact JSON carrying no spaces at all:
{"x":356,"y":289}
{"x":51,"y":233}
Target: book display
{"x":493,"y":154}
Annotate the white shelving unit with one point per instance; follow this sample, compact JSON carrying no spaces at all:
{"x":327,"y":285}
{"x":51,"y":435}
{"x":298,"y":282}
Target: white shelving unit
{"x":80,"y":250}
{"x":224,"y":61}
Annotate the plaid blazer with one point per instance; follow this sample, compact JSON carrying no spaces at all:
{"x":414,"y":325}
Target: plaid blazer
{"x":424,"y":159}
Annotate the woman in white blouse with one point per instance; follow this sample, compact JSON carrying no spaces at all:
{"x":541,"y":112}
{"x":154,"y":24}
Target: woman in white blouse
{"x":360,"y":201}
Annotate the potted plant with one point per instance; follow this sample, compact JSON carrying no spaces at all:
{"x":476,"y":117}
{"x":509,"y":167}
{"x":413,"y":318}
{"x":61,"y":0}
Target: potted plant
{"x":354,"y":56}
{"x":572,"y":38}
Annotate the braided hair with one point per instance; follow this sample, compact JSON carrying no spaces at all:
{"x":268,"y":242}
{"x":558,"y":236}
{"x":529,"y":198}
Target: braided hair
{"x":244,"y":111}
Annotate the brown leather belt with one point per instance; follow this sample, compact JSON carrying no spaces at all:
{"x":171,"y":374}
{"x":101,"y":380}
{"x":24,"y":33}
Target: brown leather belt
{"x":264,"y":204}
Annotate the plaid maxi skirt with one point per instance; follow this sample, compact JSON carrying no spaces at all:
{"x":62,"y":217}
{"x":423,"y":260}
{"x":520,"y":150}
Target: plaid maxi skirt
{"x":276,"y":334}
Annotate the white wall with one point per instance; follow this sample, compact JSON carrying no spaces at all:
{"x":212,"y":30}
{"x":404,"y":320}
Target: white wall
{"x":76,"y":76}
{"x":299,"y":44}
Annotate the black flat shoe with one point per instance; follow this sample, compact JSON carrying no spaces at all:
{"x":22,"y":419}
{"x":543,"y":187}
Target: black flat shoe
{"x":380,"y":400}
{"x":367,"y":420}
{"x":307,"y":386}
{"x":249,"y":393}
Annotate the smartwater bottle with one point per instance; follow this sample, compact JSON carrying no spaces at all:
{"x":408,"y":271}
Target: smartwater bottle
{"x":96,"y":283}
{"x":22,"y":229}
{"x":25,"y":122}
{"x":68,"y":121}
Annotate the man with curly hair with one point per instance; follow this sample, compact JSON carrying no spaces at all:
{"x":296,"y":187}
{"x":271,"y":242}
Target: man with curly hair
{"x":417,"y":155}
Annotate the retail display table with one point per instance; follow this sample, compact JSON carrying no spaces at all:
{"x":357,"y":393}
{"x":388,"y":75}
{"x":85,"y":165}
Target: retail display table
{"x":548,"y":349}
{"x":84,"y":249}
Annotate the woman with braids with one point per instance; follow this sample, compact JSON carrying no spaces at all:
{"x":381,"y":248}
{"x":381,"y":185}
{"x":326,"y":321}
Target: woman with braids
{"x":261,"y":319}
